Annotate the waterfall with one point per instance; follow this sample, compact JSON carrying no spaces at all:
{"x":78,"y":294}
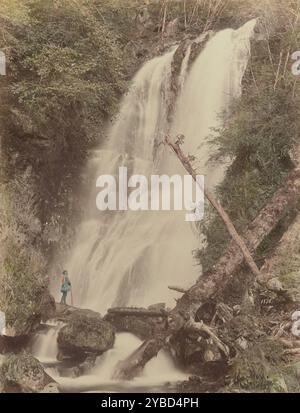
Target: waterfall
{"x":45,"y":347}
{"x":130,"y":258}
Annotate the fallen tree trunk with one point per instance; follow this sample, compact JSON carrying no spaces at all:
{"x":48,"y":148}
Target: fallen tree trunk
{"x":288,"y":244}
{"x":227,"y":266}
{"x":134,"y":364}
{"x":218,"y":207}
{"x":215,"y":281}
{"x":141,"y":312}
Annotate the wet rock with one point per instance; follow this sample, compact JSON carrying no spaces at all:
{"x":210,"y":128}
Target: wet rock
{"x":73,"y":370}
{"x":84,"y":334}
{"x":23,"y":373}
{"x":144,"y":323}
{"x":67,"y":313}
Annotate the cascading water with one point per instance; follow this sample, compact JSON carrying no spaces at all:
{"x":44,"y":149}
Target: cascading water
{"x":213,"y":82}
{"x":126,"y":258}
{"x":117,"y":259}
{"x":158,"y":371}
{"x":130,"y":258}
{"x":45,"y":347}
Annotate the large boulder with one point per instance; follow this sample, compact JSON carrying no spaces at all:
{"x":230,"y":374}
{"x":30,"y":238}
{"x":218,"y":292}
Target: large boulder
{"x":84,"y":334}
{"x":22,"y":373}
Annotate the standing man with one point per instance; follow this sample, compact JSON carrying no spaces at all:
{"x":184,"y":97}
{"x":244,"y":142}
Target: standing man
{"x":65,"y":287}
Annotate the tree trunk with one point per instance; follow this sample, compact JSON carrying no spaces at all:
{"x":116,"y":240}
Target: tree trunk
{"x":142,"y":312}
{"x":210,"y":284}
{"x":134,"y":364}
{"x":287,"y":245}
{"x":218,"y":207}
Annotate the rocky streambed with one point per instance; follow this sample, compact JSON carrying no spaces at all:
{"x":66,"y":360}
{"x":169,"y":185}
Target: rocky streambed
{"x":79,"y":350}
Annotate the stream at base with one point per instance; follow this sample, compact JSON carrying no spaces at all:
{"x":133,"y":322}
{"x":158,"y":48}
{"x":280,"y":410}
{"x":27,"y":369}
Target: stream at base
{"x":159,"y":375}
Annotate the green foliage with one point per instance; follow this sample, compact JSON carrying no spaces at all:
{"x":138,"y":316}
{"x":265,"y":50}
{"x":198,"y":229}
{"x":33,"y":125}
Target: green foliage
{"x":258,"y":135}
{"x":257,"y":366}
{"x":65,"y":67}
{"x":25,"y":284}
{"x":23,"y":279}
{"x":66,"y":72}
{"x":254,"y":370}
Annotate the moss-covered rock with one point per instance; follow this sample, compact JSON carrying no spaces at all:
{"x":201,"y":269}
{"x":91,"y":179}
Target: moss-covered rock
{"x":84,"y":334}
{"x":23,"y":373}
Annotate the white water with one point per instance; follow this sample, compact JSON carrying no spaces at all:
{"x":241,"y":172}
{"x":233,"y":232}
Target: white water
{"x":117,"y":259}
{"x":45,"y":347}
{"x":100,"y":377}
{"x":127,"y":258}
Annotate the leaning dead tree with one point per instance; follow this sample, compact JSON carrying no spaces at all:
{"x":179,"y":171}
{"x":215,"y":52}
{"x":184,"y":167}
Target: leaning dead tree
{"x":216,"y":280}
{"x":210,"y":284}
{"x":218,"y":207}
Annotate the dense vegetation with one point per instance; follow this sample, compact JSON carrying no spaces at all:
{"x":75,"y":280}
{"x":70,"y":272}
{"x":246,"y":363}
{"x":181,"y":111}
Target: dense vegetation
{"x":259,"y":133}
{"x":65,"y":75}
